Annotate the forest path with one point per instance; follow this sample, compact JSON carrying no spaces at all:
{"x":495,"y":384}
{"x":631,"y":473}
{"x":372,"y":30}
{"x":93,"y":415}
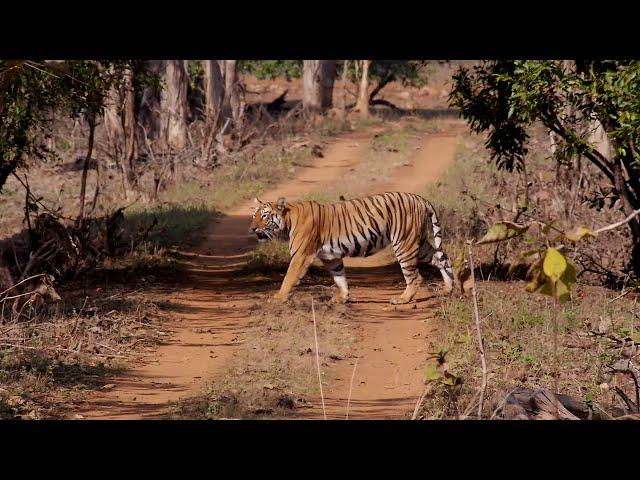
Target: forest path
{"x":211,"y":306}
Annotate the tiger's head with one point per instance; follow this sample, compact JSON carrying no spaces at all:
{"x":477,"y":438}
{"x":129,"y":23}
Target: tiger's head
{"x":268,"y":219}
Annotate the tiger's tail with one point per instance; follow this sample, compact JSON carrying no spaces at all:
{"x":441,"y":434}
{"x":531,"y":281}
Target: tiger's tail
{"x":440,"y":259}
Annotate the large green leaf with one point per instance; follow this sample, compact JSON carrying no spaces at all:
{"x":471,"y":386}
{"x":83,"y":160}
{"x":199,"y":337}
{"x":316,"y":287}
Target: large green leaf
{"x":554,"y":264}
{"x":555,"y":269}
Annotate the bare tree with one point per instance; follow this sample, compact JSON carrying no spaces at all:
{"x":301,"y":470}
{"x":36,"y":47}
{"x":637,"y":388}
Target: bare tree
{"x":120,"y":123}
{"x":163,"y":112}
{"x":214,"y":91}
{"x":345,"y":72}
{"x":317,"y":79}
{"x":129,"y":117}
{"x":173,"y":105}
{"x":85,"y":169}
{"x":233,"y":104}
{"x":362,"y":105}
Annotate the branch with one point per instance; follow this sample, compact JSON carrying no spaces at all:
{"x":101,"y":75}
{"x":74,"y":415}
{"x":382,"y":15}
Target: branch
{"x":22,"y":281}
{"x":381,"y":84}
{"x":632,"y":408}
{"x":594,"y":156}
{"x":618,"y":224}
{"x":383,"y":102}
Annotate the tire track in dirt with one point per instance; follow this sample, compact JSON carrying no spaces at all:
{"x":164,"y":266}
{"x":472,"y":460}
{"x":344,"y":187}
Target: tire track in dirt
{"x":211,"y":308}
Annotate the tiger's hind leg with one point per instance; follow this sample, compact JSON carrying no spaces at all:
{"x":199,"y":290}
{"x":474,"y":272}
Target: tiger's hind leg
{"x":407,"y":256}
{"x":336,"y":268}
{"x":428,"y":254}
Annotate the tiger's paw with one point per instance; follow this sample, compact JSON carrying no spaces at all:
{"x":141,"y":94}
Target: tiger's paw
{"x":279,"y":298}
{"x":339,"y":299}
{"x":398,"y":301}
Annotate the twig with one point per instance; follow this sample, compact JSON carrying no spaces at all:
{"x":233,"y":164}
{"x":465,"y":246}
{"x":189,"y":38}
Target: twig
{"x":478,"y":331}
{"x":416,"y":410}
{"x":108,"y":348}
{"x":17,"y":296}
{"x":623,"y":294}
{"x":630,"y":406}
{"x":37,"y":256}
{"x":27,"y":347}
{"x":22,"y":281}
{"x":605,"y":414}
{"x":618,"y":224}
{"x":632,"y":416}
{"x":353,"y":374}
{"x":25,"y":184}
{"x":472,"y":404}
{"x":556,"y":373}
{"x":315,"y":334}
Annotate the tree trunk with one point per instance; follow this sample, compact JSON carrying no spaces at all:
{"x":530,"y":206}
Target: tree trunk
{"x":235,"y":92}
{"x":629,"y":204}
{"x":381,"y":84}
{"x":228,"y":69}
{"x":173,"y":105}
{"x":130,"y":127}
{"x":345,"y":71}
{"x":214,"y":92}
{"x":113,"y":125}
{"x":120,"y":123}
{"x":362,"y":105}
{"x":317,"y":82}
{"x":149,"y":114}
{"x":85,"y":167}
{"x":96,"y":193}
{"x":599,"y":139}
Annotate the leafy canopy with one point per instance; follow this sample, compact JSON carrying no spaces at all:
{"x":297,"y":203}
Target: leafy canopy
{"x":31,"y":89}
{"x":503,"y":98}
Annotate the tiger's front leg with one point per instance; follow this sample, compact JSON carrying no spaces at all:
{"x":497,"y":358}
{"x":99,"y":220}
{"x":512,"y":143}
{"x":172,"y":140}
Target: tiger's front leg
{"x":298,"y":267}
{"x":336,"y":268}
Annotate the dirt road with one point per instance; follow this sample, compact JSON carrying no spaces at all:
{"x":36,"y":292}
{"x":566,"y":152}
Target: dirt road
{"x":210,"y":310}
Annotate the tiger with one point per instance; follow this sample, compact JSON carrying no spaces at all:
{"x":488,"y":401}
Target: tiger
{"x":351,"y":228}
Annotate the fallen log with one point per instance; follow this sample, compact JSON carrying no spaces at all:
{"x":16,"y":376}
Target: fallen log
{"x":546,"y":404}
{"x":528,"y":404}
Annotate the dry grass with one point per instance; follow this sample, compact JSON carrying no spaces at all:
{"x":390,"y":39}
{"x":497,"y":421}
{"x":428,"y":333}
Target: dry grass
{"x":516,"y":325}
{"x":274,"y":373}
{"x":518,"y":343}
{"x":473,"y":194}
{"x":268,"y":258}
{"x":386,"y":152}
{"x":50,"y":356}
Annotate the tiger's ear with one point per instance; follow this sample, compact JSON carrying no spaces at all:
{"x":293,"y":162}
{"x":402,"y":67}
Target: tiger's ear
{"x":281,"y":203}
{"x":257,"y":201}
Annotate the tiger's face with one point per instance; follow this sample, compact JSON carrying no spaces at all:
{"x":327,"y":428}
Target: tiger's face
{"x":267,"y":221}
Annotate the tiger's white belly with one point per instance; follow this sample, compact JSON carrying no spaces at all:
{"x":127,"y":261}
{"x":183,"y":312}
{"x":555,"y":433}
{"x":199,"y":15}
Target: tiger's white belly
{"x":328,"y":253}
{"x":349,"y":249}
